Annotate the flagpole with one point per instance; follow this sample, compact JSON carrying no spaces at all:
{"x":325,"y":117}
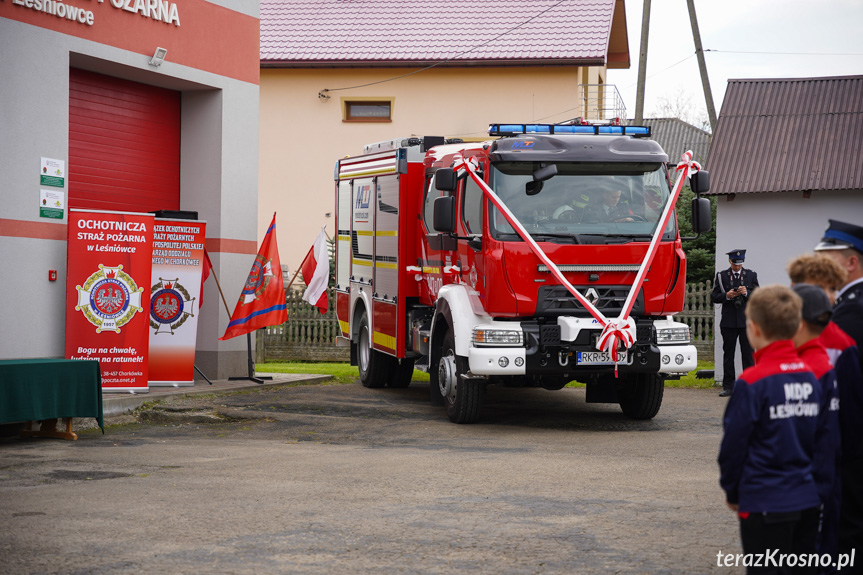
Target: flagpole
{"x":251,"y":364}
{"x":296,"y":273}
{"x":218,"y":285}
{"x":300,"y":267}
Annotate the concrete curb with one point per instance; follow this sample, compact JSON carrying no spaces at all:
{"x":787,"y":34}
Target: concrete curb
{"x":119,"y":404}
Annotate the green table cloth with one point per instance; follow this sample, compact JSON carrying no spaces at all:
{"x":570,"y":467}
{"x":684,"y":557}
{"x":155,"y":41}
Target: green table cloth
{"x":35,"y":389}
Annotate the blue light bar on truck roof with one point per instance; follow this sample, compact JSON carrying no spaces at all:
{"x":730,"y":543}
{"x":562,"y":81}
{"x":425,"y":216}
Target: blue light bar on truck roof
{"x":513,"y":129}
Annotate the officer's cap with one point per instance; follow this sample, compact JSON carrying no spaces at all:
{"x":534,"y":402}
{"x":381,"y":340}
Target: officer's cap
{"x":841,"y":235}
{"x":737,"y":256}
{"x":816,"y":306}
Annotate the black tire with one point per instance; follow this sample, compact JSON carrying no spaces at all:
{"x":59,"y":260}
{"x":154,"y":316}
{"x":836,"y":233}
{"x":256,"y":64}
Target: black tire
{"x":374,"y":366}
{"x":463,"y":401}
{"x":641,"y":397}
{"x":401,"y":373}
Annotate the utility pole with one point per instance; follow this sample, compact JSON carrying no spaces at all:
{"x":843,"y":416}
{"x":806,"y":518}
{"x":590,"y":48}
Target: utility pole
{"x":702,"y":66}
{"x":642,"y":64}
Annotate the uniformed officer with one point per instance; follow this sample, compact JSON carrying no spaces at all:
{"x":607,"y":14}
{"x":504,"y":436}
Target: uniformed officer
{"x":843,"y":242}
{"x":732,"y":288}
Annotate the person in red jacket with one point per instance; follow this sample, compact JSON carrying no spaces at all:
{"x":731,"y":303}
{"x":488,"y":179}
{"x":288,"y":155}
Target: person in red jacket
{"x":828,"y":274}
{"x":770,"y":423}
{"x":816,"y":313}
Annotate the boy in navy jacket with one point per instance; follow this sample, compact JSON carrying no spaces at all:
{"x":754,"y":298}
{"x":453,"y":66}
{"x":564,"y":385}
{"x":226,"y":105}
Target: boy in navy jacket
{"x":816,"y":316}
{"x":767,"y":452}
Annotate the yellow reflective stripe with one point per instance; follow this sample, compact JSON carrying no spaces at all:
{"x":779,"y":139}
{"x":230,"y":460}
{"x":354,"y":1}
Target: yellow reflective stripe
{"x":390,"y":233}
{"x":344,"y":238}
{"x":386,"y":265}
{"x":346,"y":327}
{"x":378,"y":172}
{"x":385,"y":340}
{"x":431,"y":270}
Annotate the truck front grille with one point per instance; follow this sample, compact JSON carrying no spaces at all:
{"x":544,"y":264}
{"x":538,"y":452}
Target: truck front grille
{"x":556,"y":300}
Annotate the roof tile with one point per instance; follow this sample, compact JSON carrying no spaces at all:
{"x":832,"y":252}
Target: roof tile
{"x":798,"y":134}
{"x":401,"y":31}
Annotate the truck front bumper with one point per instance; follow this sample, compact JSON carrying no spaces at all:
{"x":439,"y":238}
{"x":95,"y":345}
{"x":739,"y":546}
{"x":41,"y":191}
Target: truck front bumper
{"x":677,"y":358}
{"x":522,"y":361}
{"x":497,"y":360}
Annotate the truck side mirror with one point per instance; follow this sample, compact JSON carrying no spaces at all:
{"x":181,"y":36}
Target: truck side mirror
{"x":445,"y":180}
{"x":700,"y":182}
{"x":701,"y":215}
{"x":444,"y":213}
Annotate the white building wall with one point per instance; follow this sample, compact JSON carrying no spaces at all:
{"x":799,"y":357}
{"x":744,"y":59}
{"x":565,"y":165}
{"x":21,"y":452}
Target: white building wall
{"x":774,"y":228}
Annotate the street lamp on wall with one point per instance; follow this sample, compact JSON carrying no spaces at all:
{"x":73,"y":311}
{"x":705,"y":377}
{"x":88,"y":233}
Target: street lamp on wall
{"x":158,"y":57}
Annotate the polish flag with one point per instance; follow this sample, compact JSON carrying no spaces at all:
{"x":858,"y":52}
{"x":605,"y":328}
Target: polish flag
{"x":316,"y":273}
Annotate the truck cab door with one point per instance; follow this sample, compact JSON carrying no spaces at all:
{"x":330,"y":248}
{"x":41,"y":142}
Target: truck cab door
{"x":437,"y":250}
{"x":470,"y":215}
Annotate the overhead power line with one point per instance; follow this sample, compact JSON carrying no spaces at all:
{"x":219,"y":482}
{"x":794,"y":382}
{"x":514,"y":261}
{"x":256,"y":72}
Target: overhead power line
{"x":782,"y":53}
{"x":666,"y":68}
{"x":322,"y":93}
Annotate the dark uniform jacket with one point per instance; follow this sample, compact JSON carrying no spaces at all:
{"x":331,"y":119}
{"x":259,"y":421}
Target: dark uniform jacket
{"x":827,"y":440}
{"x":771,"y":420}
{"x":848,"y":315}
{"x":844,"y":355}
{"x":732,"y":312}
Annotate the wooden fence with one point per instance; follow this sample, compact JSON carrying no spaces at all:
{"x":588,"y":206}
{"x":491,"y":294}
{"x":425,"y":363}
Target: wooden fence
{"x":698,"y":314}
{"x":310,"y":336}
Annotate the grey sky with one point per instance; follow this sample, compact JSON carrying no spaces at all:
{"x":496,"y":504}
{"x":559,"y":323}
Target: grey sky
{"x":790,"y":27}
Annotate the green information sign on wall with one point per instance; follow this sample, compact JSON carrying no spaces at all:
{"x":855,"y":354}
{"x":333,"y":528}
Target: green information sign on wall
{"x":51,"y":204}
{"x":52,"y":173}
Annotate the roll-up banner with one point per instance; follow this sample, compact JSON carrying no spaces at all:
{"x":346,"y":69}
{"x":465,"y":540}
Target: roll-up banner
{"x":108,"y":263}
{"x":175,"y":294}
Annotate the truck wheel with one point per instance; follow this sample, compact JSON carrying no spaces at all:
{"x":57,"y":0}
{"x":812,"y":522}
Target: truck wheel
{"x":641,"y":397}
{"x":401,"y":373}
{"x":461,"y":397}
{"x":373,"y":364}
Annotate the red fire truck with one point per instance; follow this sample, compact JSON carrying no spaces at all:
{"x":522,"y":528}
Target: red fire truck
{"x":430,"y":273}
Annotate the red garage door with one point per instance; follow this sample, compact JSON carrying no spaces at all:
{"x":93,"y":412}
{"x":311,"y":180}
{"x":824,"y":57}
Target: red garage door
{"x":124,"y":144}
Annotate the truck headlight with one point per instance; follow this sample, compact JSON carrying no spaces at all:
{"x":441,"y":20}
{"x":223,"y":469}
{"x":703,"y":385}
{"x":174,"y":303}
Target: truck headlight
{"x":497,"y":337}
{"x":672,"y":335}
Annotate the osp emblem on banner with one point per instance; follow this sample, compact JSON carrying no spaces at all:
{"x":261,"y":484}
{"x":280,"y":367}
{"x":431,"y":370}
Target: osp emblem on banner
{"x":258,"y":280}
{"x":109,"y":298}
{"x":168,"y":301}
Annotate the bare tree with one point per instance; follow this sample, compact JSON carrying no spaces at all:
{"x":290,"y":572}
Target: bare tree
{"x":679,"y":105}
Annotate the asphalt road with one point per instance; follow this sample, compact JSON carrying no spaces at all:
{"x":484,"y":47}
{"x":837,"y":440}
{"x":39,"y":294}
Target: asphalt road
{"x":341,"y":479}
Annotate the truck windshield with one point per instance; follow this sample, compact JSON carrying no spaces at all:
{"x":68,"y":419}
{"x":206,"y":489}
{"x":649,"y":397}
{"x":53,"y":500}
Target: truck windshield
{"x":591,"y":200}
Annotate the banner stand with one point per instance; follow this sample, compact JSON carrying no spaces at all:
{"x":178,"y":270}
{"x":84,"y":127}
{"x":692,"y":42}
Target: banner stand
{"x":202,"y":375}
{"x":177,"y":272}
{"x":251,"y":376}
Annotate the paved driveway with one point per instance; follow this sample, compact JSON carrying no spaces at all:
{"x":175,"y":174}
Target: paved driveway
{"x":341,"y":479}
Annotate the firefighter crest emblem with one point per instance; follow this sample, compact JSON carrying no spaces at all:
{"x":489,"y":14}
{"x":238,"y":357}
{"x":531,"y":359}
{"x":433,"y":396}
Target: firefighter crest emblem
{"x":109,"y":299}
{"x":258,"y":280}
{"x":169,"y":301}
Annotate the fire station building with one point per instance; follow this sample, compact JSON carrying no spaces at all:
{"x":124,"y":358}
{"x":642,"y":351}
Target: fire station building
{"x":133,"y":106}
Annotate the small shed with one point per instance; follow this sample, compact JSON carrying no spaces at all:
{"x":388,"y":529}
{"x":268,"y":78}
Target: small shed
{"x":786,"y":157}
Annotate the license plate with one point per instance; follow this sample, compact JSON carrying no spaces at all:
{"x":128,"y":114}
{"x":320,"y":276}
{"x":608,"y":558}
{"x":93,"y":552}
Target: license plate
{"x":597,"y":358}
